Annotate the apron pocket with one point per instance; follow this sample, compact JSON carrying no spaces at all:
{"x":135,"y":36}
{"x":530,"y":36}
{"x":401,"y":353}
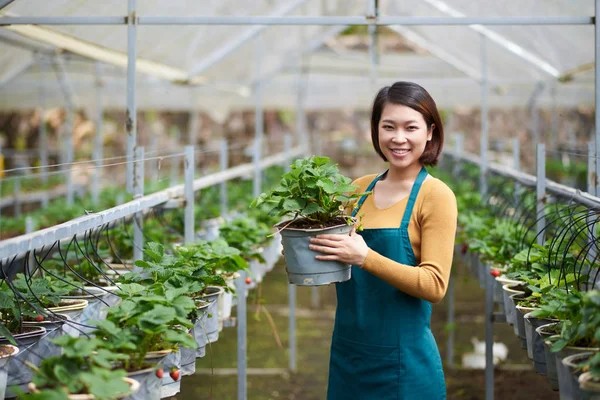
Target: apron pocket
{"x":364,"y":371}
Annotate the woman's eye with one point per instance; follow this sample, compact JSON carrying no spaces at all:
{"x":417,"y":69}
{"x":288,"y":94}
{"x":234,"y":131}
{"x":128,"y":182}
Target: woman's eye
{"x":412,"y":128}
{"x":388,"y":127}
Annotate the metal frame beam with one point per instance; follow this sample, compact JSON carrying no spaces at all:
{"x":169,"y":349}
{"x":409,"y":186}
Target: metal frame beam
{"x":227,"y":48}
{"x":499,"y":39}
{"x":284,"y":20}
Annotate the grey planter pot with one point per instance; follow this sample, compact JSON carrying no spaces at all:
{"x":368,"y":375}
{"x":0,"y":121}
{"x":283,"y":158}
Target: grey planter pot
{"x":519,"y":326}
{"x":199,"y":331}
{"x":4,"y":368}
{"x":522,"y":330}
{"x":29,"y":350}
{"x":188,"y":361}
{"x":94,"y":310}
{"x":169,"y":387}
{"x":302,"y":267}
{"x":150,"y":385}
{"x":590,"y":389}
{"x":509,"y":306}
{"x":74,"y":311}
{"x":565,"y":376}
{"x":211,"y":324}
{"x":535,"y":341}
{"x":550,"y":356}
{"x":569,"y":383}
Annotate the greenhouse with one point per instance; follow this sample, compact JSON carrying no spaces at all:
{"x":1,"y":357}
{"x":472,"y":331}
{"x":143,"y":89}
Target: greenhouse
{"x":299,"y":199}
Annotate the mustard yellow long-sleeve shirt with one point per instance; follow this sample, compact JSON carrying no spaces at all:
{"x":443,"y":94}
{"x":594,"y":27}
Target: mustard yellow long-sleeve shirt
{"x":431,"y":230}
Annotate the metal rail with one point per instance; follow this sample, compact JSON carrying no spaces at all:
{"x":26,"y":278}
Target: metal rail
{"x":297,"y":20}
{"x":554,"y":188}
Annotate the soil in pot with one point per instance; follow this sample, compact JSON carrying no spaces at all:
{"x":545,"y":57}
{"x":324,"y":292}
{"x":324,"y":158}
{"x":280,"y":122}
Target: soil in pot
{"x":589,"y":387}
{"x":20,"y":374}
{"x":568,"y":383}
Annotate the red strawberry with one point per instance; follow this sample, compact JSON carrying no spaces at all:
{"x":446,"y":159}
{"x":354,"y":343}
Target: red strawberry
{"x":465,"y":248}
{"x":248,"y":280}
{"x":495,"y":273}
{"x":39,"y":318}
{"x":174,"y":374}
{"x":159,"y":373}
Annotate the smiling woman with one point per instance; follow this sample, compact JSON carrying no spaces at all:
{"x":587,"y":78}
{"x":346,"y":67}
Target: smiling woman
{"x":382,"y":345}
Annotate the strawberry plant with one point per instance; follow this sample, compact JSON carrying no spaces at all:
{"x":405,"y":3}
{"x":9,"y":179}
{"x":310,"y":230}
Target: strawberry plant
{"x":148,"y":319}
{"x":313,"y":194}
{"x":85,"y":367}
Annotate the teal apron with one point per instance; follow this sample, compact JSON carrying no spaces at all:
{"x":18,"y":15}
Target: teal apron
{"x":382,"y":346}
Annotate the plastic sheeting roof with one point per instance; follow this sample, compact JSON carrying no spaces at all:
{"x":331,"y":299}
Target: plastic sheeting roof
{"x":446,"y":59}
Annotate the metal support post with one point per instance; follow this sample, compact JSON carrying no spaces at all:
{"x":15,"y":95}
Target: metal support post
{"x":489,"y":334}
{"x":451,"y":328}
{"x":154,"y":134}
{"x":131,"y":115}
{"x":302,"y":136}
{"x":17,"y":196}
{"x":240,"y":284}
{"x":554,"y":117}
{"x":516,"y":153}
{"x":287,"y":145}
{"x":68,"y":143}
{"x":43,"y":135}
{"x":68,"y":127}
{"x":29,"y":228}
{"x":459,"y":146}
{"x":483,"y":147}
{"x":258,"y":121}
{"x":597,"y":93}
{"x":138,"y":220}
{"x":189,"y":167}
{"x":535,"y":114}
{"x":174,"y":177}
{"x":99,"y":138}
{"x":194,"y":126}
{"x":223,"y":163}
{"x":591,"y":167}
{"x":374,"y":13}
{"x":540,"y":191}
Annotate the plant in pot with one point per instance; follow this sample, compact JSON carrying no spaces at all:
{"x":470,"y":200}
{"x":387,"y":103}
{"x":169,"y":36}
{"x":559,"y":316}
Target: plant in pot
{"x":315,"y":195}
{"x":84,"y":370}
{"x":579,"y":334}
{"x":249,"y":237}
{"x":7,"y":351}
{"x":148,"y":326}
{"x":589,"y":378}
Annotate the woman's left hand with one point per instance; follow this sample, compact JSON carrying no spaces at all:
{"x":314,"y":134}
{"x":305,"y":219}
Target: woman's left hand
{"x":349,"y":249}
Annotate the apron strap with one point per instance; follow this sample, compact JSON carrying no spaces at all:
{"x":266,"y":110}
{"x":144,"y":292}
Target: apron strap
{"x":413,"y":196}
{"x":363,"y":198}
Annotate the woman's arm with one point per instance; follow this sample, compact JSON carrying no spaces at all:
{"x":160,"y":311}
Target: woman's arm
{"x":428,"y":280}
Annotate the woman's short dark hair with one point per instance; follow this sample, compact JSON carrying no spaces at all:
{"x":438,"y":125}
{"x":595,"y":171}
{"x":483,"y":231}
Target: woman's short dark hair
{"x":416,"y":97}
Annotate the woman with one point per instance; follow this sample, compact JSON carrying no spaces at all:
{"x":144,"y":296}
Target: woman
{"x":382,"y":346}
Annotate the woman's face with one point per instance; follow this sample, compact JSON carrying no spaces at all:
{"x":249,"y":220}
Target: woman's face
{"x":403,"y":135}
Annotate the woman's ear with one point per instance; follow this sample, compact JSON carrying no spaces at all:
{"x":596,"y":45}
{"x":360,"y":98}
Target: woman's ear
{"x":430,"y":132}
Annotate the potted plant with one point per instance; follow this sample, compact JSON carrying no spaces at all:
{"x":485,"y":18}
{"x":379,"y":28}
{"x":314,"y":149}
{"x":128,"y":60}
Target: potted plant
{"x":315,"y":195}
{"x":589,"y":380}
{"x":6,"y":352}
{"x":249,"y":237}
{"x":148,"y":326}
{"x":85,"y":370}
{"x":579,"y":334}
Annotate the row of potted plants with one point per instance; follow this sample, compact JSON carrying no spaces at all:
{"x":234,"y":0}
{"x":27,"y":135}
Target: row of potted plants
{"x":202,"y":273}
{"x":544,"y":290}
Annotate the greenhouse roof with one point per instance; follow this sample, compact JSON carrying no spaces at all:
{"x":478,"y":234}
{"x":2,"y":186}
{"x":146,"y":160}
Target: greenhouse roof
{"x":214,"y":67}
